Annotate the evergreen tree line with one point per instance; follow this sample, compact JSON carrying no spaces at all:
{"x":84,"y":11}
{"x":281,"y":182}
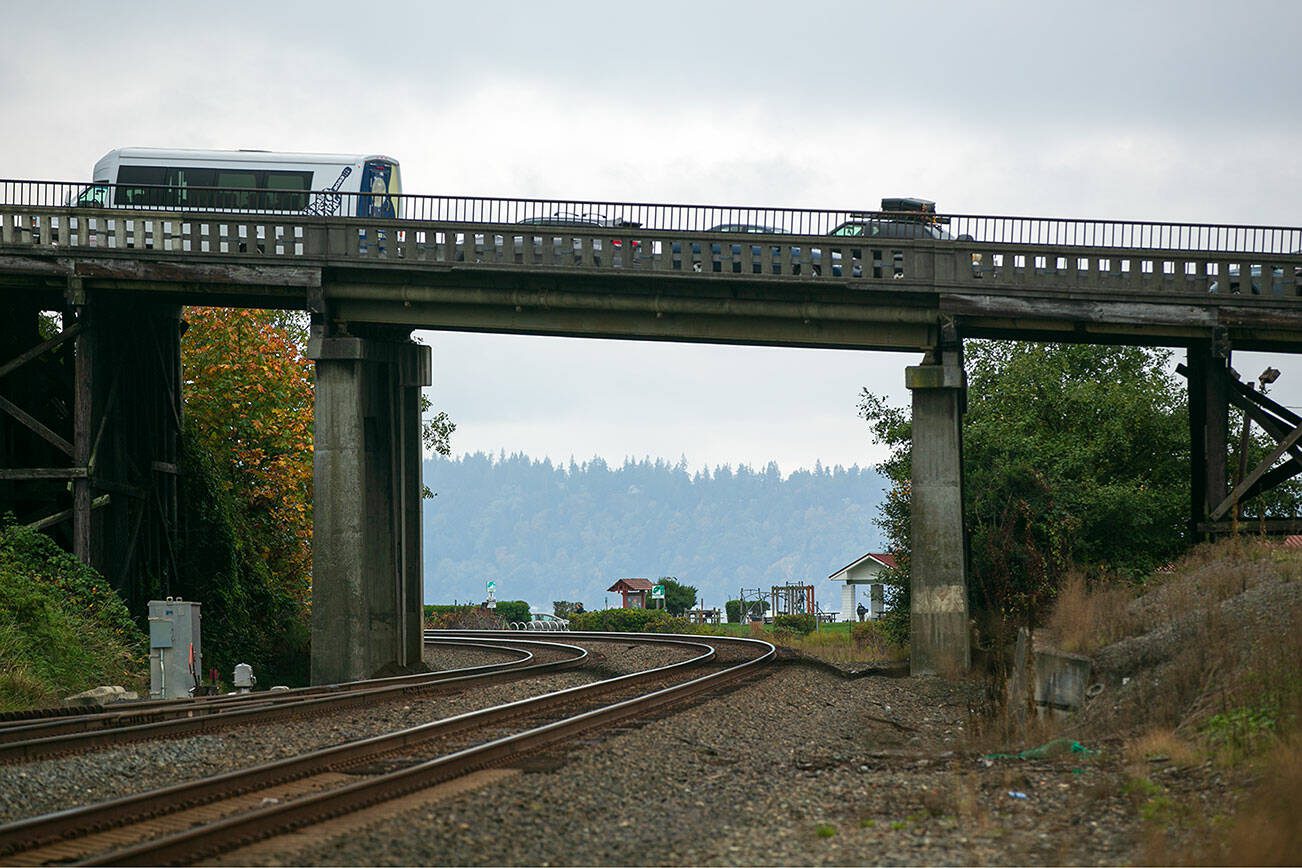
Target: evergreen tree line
{"x":546,"y":531}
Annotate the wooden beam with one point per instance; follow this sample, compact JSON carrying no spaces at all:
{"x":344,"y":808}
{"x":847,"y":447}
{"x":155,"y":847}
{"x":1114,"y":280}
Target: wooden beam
{"x":1275,"y":477}
{"x":82,"y":418}
{"x":172,"y":273}
{"x":1257,"y":473}
{"x":1095,"y":311}
{"x":52,"y":520}
{"x":36,"y":426}
{"x":40,"y":349}
{"x":1271,"y":526}
{"x":29,"y":473}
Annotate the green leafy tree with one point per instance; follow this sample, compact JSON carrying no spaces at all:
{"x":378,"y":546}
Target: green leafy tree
{"x":566,"y":608}
{"x":678,"y":597}
{"x":1072,"y":455}
{"x":513,"y":611}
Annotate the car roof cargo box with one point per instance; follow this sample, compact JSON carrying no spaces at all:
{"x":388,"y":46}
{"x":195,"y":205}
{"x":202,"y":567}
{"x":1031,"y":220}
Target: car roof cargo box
{"x":924,"y":206}
{"x":913,"y":206}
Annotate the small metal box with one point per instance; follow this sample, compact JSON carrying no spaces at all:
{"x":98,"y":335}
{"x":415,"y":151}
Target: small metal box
{"x":175,"y":651}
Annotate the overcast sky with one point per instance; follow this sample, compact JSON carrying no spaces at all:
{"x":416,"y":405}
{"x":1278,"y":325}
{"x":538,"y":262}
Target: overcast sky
{"x":1184,"y":111}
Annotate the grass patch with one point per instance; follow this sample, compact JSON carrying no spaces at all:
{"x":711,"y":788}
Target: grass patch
{"x":823,"y":830}
{"x":62,"y":628}
{"x":1266,"y":831}
{"x":1162,"y":745}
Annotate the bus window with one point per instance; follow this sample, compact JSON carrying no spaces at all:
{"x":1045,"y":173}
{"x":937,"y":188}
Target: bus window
{"x":183,"y":180}
{"x":288,"y":190}
{"x":141,"y":185}
{"x":236,"y":187}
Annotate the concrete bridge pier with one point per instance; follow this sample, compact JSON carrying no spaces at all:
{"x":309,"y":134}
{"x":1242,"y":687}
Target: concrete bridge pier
{"x":939,"y":636}
{"x":366,"y":545}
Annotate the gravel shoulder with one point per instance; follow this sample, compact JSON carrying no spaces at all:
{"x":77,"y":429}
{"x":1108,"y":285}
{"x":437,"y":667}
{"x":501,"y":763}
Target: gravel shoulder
{"x":800,"y":767}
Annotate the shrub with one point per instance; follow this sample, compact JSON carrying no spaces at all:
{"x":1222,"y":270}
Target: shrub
{"x":630,"y":621}
{"x":732,"y":609}
{"x":801,"y":625}
{"x":874,"y":639}
{"x":513,"y":611}
{"x":62,"y":627}
{"x":463,"y":618}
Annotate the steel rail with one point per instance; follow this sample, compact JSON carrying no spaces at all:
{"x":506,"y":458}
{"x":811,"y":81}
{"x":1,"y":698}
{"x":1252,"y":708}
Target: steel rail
{"x":265,"y":711}
{"x":53,"y":721}
{"x":26,"y":834}
{"x":205,"y":840}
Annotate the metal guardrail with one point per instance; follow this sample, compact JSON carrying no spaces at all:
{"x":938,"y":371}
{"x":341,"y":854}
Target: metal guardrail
{"x":624,"y":216}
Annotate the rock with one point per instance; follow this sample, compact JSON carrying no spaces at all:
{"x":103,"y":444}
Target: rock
{"x":103,"y":695}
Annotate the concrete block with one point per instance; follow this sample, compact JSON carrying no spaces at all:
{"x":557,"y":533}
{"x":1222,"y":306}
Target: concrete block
{"x":1055,"y":680}
{"x":933,"y":377}
{"x":1061,"y":679}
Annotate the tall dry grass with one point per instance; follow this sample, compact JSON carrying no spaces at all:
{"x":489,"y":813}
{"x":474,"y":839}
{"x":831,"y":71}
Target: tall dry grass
{"x":1084,"y":618}
{"x":1268,"y":829}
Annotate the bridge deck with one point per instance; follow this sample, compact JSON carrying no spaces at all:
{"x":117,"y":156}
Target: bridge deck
{"x":492,"y":273}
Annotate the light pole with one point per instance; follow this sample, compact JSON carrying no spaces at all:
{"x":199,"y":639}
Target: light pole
{"x":1265,"y":378}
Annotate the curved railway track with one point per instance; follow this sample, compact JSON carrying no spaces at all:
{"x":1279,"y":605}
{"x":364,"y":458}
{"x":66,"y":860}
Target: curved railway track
{"x":199,"y":819}
{"x":22,"y":741}
{"x":160,"y":708}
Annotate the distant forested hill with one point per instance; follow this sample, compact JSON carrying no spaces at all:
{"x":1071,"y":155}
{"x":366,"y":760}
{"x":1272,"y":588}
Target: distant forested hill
{"x":547,"y":531}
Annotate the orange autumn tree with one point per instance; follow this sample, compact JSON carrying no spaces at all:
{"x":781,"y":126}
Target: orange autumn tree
{"x":248,"y":398}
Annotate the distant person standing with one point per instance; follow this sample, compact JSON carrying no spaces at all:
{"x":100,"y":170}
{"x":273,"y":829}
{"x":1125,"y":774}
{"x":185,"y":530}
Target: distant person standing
{"x":862,"y":611}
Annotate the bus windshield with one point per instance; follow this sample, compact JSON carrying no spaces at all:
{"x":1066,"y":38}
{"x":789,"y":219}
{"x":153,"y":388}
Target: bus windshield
{"x":93,"y":197}
{"x":380,"y":188}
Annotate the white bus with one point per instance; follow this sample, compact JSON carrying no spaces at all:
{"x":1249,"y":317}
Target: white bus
{"x":348,"y":185}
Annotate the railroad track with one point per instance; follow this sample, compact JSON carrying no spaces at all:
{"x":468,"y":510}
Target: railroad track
{"x":26,"y":740}
{"x":200,"y":819}
{"x":16,"y":718}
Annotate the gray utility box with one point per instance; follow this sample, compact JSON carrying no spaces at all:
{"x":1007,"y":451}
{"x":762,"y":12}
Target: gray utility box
{"x":175,"y":655}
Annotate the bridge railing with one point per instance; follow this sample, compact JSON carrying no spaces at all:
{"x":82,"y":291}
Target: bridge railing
{"x":733,"y":220}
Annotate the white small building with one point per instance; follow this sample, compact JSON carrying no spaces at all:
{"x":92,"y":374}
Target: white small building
{"x":863,"y":572}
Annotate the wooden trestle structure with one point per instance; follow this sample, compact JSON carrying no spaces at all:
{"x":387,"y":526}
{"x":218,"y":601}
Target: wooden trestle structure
{"x":1218,"y":499}
{"x":90,"y":424}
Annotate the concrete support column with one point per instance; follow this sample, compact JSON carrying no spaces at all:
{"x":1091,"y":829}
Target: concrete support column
{"x":939,"y":641}
{"x":848,"y":612}
{"x":366,"y":547}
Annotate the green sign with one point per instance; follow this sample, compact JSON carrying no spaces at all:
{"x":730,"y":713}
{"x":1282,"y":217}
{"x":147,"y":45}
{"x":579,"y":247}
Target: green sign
{"x":492,"y":586}
{"x":657,"y":592}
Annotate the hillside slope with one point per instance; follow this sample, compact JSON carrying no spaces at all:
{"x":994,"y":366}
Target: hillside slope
{"x":549,"y":532}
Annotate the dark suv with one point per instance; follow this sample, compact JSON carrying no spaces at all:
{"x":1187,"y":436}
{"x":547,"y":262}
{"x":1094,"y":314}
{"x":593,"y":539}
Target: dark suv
{"x":905,"y":218}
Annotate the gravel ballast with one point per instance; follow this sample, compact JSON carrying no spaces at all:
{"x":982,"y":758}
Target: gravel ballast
{"x":40,"y":787}
{"x":801,"y":767}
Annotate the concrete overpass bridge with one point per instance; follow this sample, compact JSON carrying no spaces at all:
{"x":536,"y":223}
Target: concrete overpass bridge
{"x":94,"y":459}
